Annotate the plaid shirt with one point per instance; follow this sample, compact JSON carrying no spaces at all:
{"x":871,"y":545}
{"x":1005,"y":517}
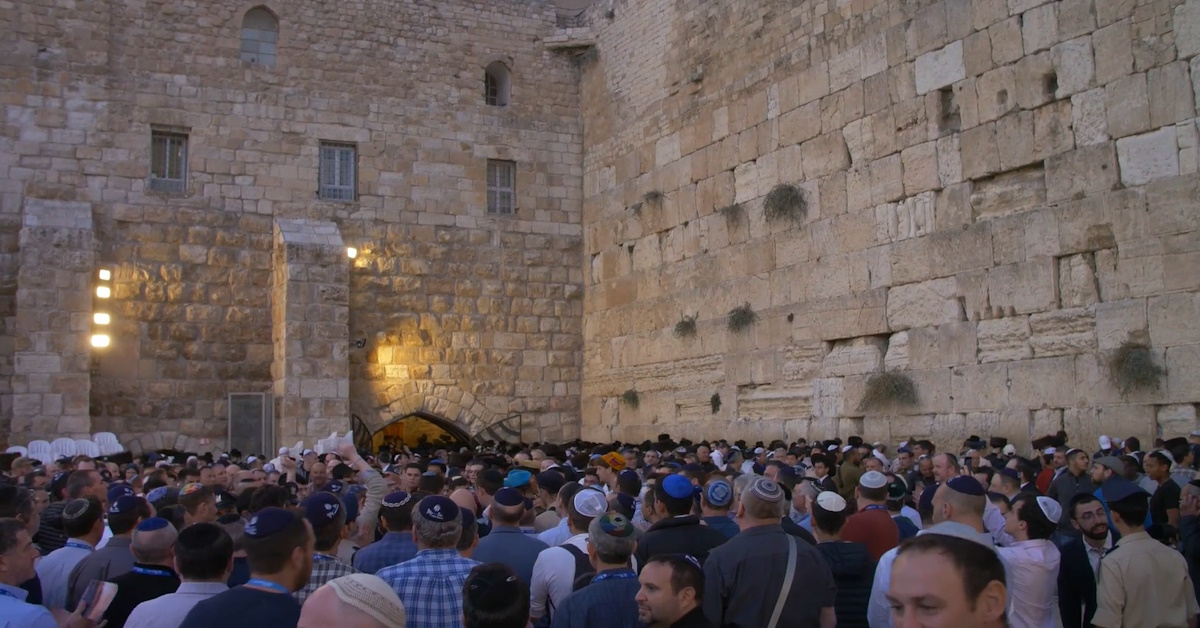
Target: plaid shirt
{"x":325,"y":568}
{"x":393,"y":549}
{"x":430,"y":586}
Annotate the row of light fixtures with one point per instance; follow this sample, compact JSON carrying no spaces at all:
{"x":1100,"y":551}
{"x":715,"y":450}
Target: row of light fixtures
{"x":100,"y":319}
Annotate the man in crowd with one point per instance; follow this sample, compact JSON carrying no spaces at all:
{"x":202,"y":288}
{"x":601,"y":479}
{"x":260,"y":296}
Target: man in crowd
{"x":115,"y":558}
{"x":872,"y":525}
{"x":506,"y":543}
{"x":431,"y":584}
{"x":1142,"y":582}
{"x":327,"y":516}
{"x":83,"y":523}
{"x":715,"y":502}
{"x":850,"y":471}
{"x":671,"y":593}
{"x":203,"y":560}
{"x":739,"y":572}
{"x":608,"y":600}
{"x":279,"y":547}
{"x":850,"y":562}
{"x":676,"y":530}
{"x":557,"y":568}
{"x":153,"y":574}
{"x":1080,"y":561}
{"x":608,"y":467}
{"x":66,"y":486}
{"x":354,"y":601}
{"x":1074,"y":480}
{"x":1032,"y":562}
{"x":397,"y":544}
{"x":940,"y":580}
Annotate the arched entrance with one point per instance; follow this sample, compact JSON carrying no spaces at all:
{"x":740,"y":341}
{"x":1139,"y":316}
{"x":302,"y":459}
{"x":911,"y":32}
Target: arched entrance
{"x":419,"y":429}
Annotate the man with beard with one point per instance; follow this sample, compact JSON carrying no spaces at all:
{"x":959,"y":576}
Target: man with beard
{"x":1080,"y":561}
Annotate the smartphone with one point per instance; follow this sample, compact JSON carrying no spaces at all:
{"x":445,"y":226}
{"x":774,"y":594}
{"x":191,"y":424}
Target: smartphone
{"x":96,"y":598}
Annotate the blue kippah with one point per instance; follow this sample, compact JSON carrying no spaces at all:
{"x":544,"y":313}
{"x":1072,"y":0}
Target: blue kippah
{"x":268,"y":521}
{"x":719,"y":494}
{"x":396,"y":499}
{"x":677,"y":486}
{"x":626,"y":501}
{"x":118,"y":491}
{"x":758,"y":468}
{"x":350,"y":502}
{"x":332,"y":486}
{"x":627,"y":473}
{"x":966,"y":485}
{"x":438,"y":508}
{"x":123,"y":504}
{"x":787,"y":472}
{"x":926,"y":502}
{"x":467,"y":516}
{"x":517,"y":478}
{"x":152,"y":524}
{"x":156,"y":494}
{"x":509,"y":497}
{"x":1010,"y":473}
{"x":321,"y":509}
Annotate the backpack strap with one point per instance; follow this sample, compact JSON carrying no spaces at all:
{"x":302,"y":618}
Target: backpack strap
{"x":787,"y":582}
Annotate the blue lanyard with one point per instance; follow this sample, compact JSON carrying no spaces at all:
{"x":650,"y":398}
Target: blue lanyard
{"x":162,"y":573}
{"x":322,"y":557}
{"x":874,"y":507}
{"x":79,"y":545}
{"x":267,"y":584}
{"x":614,"y":575}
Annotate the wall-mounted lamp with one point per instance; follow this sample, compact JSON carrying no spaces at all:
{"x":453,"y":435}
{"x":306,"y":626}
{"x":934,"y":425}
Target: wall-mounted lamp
{"x":101,"y":340}
{"x":101,"y":318}
{"x":103,"y":292}
{"x":105,"y":274}
{"x":351,"y":252}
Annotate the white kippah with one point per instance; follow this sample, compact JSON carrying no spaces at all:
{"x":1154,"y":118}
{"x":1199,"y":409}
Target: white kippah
{"x":831,"y":501}
{"x":1050,"y":508}
{"x":371,"y":595}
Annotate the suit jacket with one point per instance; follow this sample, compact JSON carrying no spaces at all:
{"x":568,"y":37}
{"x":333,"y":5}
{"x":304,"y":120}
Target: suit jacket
{"x":1077,"y":584}
{"x":792,"y":528}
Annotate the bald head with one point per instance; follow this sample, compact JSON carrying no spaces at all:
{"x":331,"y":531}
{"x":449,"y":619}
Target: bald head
{"x":355,"y":601}
{"x":155,"y":547}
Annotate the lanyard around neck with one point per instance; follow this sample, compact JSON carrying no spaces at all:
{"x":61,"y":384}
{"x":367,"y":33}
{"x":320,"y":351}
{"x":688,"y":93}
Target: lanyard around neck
{"x":78,"y":545}
{"x":267,"y":584}
{"x":614,"y":575}
{"x":150,"y":571}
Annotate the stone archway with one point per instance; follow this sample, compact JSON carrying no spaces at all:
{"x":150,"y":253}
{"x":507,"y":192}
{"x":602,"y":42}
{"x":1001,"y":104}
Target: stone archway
{"x":450,"y":406}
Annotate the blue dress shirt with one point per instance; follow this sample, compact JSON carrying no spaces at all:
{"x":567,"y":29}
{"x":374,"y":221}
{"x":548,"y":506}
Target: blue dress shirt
{"x":17,"y":613}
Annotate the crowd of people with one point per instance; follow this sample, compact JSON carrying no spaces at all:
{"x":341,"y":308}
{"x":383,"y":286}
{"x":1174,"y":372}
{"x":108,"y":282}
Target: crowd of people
{"x":584,"y":535}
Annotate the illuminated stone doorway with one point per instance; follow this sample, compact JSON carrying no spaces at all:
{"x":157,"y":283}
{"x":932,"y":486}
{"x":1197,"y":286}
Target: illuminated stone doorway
{"x":417,"y":429}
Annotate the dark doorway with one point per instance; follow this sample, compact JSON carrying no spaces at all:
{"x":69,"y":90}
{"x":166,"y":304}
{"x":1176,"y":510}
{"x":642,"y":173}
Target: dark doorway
{"x":416,"y":430}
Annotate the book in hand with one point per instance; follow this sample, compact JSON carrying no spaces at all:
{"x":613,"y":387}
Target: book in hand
{"x":96,"y":598}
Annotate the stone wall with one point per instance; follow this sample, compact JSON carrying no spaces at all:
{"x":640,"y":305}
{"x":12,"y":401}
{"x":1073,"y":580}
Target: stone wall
{"x":999,"y":195}
{"x":461,"y":314}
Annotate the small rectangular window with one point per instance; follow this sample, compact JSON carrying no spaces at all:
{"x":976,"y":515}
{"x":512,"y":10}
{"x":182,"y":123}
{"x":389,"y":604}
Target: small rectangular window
{"x":338,"y":172}
{"x":168,"y":161}
{"x":501,"y":186}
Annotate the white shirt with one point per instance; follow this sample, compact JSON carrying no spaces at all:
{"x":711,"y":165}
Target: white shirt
{"x":55,"y":569}
{"x":1032,"y":568}
{"x":557,"y":535}
{"x":553,"y":577}
{"x":170,"y":610}
{"x":718,"y":459}
{"x":993,"y":520}
{"x":912,"y":515}
{"x":1094,"y":555}
{"x":105,"y":536}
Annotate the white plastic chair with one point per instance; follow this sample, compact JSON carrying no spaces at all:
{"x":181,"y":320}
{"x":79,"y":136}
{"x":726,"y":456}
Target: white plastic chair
{"x":17,"y":449}
{"x":62,"y":447}
{"x":107,"y":442}
{"x":87,"y":448}
{"x":40,"y":450}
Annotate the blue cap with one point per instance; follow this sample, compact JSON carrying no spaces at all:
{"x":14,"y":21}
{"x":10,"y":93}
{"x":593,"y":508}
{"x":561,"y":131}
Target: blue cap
{"x":355,"y":489}
{"x":967,"y":485}
{"x":787,"y":472}
{"x":677,"y":486}
{"x":350,"y":503}
{"x":626,"y":501}
{"x":396,"y":499}
{"x":118,"y":490}
{"x":508,"y":496}
{"x":156,"y":494}
{"x":152,"y":524}
{"x":517,"y":478}
{"x":1116,"y":489}
{"x":926,"y":502}
{"x":438,"y":461}
{"x":321,"y":508}
{"x":719,"y":493}
{"x":268,"y":521}
{"x":333,"y":486}
{"x":124,"y":504}
{"x":438,"y":508}
{"x":758,"y":469}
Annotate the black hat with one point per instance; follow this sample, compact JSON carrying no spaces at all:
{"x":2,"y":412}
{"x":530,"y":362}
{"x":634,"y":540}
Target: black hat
{"x":996,"y":442}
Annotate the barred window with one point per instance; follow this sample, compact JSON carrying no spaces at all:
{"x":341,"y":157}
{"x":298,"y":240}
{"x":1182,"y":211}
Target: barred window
{"x":338,"y":172}
{"x":501,"y":186}
{"x":497,"y":84}
{"x":260,"y":33}
{"x":168,"y":161}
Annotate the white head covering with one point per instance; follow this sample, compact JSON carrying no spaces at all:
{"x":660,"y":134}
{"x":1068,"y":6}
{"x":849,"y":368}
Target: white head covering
{"x":372,"y":596}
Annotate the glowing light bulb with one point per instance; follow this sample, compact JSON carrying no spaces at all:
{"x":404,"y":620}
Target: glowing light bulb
{"x":103,"y":292}
{"x":351,"y":252}
{"x":101,"y":340}
{"x":101,"y":318}
{"x":105,"y":274}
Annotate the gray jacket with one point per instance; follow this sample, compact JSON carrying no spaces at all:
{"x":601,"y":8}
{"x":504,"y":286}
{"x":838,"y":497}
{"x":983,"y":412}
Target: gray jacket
{"x":112,"y":560}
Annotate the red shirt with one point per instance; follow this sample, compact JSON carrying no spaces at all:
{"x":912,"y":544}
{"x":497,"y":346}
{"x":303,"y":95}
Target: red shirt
{"x":873,"y":527}
{"x":1044,"y":478}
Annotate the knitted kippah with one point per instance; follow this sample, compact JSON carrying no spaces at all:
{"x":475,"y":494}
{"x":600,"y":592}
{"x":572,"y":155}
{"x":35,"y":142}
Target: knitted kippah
{"x":117,"y":491}
{"x":156,"y":494}
{"x":124,"y":504}
{"x":616,"y":525}
{"x":75,"y":509}
{"x":371,"y":595}
{"x":493,"y":589}
{"x":396,"y":499}
{"x":766,"y":490}
{"x":677,"y":486}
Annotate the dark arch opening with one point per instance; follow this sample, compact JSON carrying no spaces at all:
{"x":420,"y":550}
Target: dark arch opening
{"x":410,"y":428}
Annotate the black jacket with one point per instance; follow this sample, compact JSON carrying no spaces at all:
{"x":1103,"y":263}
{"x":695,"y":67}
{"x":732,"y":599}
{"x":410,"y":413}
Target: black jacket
{"x":1189,"y":541}
{"x":794,"y":529}
{"x":678,"y":535}
{"x":854,"y":572}
{"x":1077,"y":584}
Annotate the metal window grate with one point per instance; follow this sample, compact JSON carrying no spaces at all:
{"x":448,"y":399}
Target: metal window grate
{"x":337,"y":172}
{"x":491,"y":89}
{"x":168,"y":161}
{"x":501,"y":186}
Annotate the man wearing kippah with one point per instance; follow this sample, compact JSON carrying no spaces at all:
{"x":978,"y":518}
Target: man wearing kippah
{"x":354,"y":601}
{"x":676,"y":530}
{"x":556,"y":569}
{"x":397,"y":544}
{"x":125,"y":512}
{"x":506,"y":543}
{"x":764,"y":577}
{"x":431,"y":584}
{"x":608,"y":601}
{"x":153,"y":574}
{"x":83,"y":522}
{"x":1033,"y":560}
{"x":327,"y":516}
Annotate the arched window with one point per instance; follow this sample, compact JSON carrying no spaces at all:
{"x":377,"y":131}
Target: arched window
{"x":497,"y":84}
{"x":260,"y":32}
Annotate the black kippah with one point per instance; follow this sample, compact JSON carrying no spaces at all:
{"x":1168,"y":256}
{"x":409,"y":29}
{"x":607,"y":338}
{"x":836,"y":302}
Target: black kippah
{"x":493,"y":590}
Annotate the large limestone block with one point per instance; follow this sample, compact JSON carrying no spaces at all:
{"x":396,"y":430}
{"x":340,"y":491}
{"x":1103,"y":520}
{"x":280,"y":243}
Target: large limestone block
{"x":1077,"y":281}
{"x":1081,"y":171}
{"x":997,"y":92}
{"x":825,"y":155}
{"x":828,"y":398}
{"x":896,"y":358}
{"x":980,"y":155}
{"x":855,"y":356}
{"x":1006,"y":38}
{"x":940,"y":68}
{"x":1176,"y":419}
{"x":1042,"y":383}
{"x":1090,"y":118}
{"x":1004,"y":339}
{"x":1183,"y":373}
{"x":1063,"y":332}
{"x":1173,"y":319}
{"x":1118,"y":322}
{"x":1187,"y":29}
{"x":1148,"y":157}
{"x":1039,"y":28}
{"x":1127,"y":102}
{"x":1170,"y":93}
{"x":1026,"y":287}
{"x":979,"y":387}
{"x":1074,"y":66}
{"x":920,"y":168}
{"x":951,"y":344}
{"x":1113,"y":46}
{"x":923,"y":304}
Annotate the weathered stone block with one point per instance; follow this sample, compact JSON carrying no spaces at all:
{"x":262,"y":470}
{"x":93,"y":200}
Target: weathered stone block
{"x":1113,"y":47}
{"x":1007,"y":45}
{"x":1039,"y":28}
{"x":1119,"y":322}
{"x":980,"y":154}
{"x":1128,"y":106}
{"x":1027,"y":287}
{"x":940,"y":68}
{"x":1004,"y":339}
{"x":920,"y":165}
{"x":1042,"y":383}
{"x":1074,"y":66}
{"x":855,"y":356}
{"x":1036,"y":80}
{"x":1176,"y":419}
{"x":923,"y":304}
{"x":1183,"y":371}
{"x":979,"y":387}
{"x":952,"y":344}
{"x":1083,"y":170}
{"x":1063,"y":332}
{"x":1014,"y":138}
{"x":825,"y":155}
{"x":1148,"y":157}
{"x":1170,"y":93}
{"x":1089,"y":118}
{"x":1172,"y":319}
{"x":1077,"y":281}
{"x":1186,"y":23}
